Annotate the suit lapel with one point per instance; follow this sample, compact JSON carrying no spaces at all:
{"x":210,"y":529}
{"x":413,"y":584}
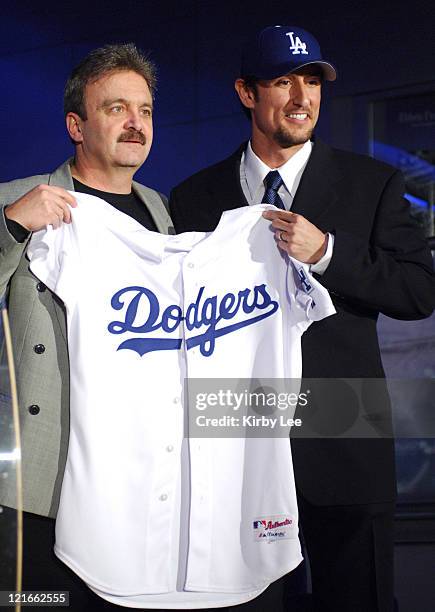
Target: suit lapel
{"x":230,"y":194}
{"x":317,"y":190}
{"x":61,"y":177}
{"x":155,"y":206}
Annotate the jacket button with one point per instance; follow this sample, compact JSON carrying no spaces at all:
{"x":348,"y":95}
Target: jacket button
{"x":34,"y":409}
{"x":41,"y":287}
{"x":39,"y":349}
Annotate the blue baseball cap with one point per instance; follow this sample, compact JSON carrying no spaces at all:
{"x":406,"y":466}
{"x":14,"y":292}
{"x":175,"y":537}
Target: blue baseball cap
{"x":278,"y":50}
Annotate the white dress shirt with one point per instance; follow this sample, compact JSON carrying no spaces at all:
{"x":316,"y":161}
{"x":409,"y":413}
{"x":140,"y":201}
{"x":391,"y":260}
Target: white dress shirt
{"x":253,"y":171}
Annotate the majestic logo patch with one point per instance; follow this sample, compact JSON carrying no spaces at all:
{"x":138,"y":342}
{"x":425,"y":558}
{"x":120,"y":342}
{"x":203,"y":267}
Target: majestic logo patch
{"x":297,"y":47}
{"x":203,"y":315}
{"x":272,"y":528}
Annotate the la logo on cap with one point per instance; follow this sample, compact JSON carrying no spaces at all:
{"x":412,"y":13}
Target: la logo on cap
{"x":297,"y":47}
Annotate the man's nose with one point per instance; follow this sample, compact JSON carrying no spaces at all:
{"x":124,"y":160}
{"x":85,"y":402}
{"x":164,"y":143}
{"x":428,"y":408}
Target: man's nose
{"x":134,"y":120}
{"x":299,"y":94}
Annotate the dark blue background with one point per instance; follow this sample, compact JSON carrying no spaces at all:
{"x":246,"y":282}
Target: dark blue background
{"x":196,"y":45}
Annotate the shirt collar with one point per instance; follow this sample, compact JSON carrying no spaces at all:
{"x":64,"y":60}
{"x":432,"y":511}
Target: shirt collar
{"x":291,"y":172}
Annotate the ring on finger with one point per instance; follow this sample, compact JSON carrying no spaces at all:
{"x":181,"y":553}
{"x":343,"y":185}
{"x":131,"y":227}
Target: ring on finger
{"x":280,"y":236}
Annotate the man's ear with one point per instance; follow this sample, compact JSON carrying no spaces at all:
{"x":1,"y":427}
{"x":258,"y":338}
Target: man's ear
{"x":73,"y":122}
{"x":245,"y":93}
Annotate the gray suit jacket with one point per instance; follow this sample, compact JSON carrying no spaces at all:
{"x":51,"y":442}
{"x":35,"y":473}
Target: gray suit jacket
{"x":37,"y":317}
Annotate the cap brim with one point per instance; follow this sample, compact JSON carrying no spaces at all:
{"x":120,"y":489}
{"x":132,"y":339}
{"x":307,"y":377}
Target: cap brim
{"x":328,"y":69}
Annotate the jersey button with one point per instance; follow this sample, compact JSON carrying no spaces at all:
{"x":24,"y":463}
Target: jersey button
{"x":34,"y":409}
{"x":39,"y":349}
{"x":190,"y":265}
{"x":169,"y":448}
{"x":41,"y":287}
{"x":163,"y":497}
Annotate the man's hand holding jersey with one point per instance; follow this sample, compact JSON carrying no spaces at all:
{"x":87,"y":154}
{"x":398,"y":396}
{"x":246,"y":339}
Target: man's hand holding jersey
{"x":297,"y":236}
{"x":43,"y":205}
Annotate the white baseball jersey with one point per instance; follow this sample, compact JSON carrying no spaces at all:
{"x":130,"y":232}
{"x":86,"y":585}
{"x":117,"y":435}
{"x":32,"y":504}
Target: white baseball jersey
{"x":146,"y":519}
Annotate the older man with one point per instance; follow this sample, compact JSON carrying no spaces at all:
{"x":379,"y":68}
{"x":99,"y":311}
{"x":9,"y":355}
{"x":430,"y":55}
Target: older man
{"x":345,"y":215}
{"x":108,"y":107}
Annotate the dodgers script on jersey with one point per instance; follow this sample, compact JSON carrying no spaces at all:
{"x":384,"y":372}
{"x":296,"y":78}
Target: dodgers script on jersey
{"x":148,"y":517}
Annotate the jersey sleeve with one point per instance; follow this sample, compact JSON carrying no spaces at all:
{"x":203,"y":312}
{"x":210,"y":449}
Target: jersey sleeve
{"x":311,"y":301}
{"x":54,"y":259}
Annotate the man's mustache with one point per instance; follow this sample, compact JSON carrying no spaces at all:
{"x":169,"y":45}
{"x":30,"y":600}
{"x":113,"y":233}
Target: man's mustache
{"x":132,"y":135}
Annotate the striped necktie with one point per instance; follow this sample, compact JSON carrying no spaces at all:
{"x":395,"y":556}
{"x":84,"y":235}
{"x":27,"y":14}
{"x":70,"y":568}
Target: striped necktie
{"x":273,"y":182}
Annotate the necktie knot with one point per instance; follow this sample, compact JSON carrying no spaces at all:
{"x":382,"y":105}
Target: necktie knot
{"x":273,"y":182}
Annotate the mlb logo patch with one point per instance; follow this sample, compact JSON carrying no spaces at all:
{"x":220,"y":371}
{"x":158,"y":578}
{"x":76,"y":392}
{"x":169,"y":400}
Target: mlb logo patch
{"x":273,"y":528}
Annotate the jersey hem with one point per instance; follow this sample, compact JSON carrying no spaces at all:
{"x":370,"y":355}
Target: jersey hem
{"x":188,"y":605}
{"x":159,"y":590}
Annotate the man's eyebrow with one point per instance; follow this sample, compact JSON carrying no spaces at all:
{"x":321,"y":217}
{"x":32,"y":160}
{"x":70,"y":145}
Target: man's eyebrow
{"x":110,"y":101}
